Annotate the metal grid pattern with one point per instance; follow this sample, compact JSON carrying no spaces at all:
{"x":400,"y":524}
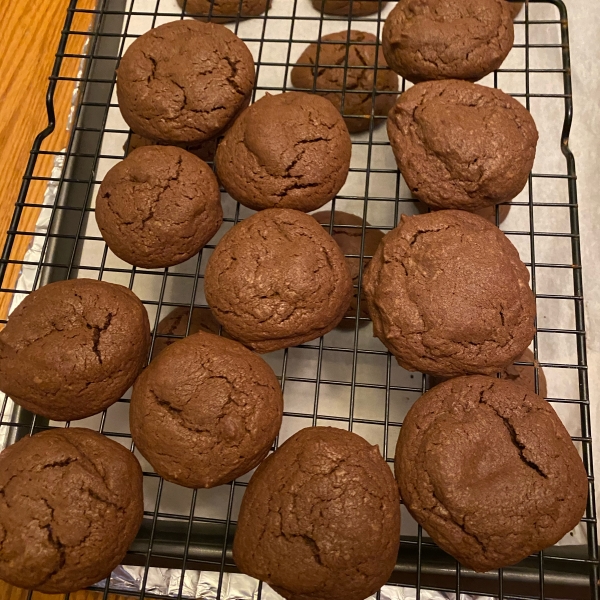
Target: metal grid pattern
{"x":346,"y":379}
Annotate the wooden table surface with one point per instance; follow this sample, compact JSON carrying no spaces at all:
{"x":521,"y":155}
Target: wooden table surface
{"x":30,"y":36}
{"x":8,"y":592}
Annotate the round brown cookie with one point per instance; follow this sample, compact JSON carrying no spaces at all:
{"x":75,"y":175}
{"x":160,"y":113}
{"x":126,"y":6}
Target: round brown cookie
{"x":447,"y":39}
{"x":205,"y":150}
{"x":515,"y":8}
{"x":523,"y":375}
{"x":73,"y":348}
{"x":462,"y":145}
{"x":224,"y":11}
{"x":355,"y":8}
{"x":291,"y":150}
{"x":320,"y":519}
{"x":489,"y":470}
{"x":277,"y":279}
{"x":184,"y":81}
{"x":158,"y":207}
{"x":206,"y":410}
{"x":349,"y":239}
{"x":176,"y":322}
{"x":449,"y":295}
{"x":71,"y":503}
{"x":354,"y":73}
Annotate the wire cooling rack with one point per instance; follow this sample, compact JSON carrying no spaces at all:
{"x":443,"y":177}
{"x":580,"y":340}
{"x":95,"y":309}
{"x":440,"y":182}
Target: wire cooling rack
{"x":346,"y":379}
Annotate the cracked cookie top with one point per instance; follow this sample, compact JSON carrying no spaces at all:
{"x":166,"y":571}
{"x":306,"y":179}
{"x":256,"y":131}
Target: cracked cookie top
{"x":489,"y":470}
{"x":73,"y":348}
{"x":449,"y":295}
{"x":278,"y":279}
{"x":462,"y":145}
{"x":159,"y":206}
{"x":207,"y":410}
{"x":447,"y":39}
{"x":320,"y":518}
{"x":356,"y":8}
{"x":224,"y":11}
{"x":291,"y":150}
{"x":184,"y":81}
{"x":351,"y":68}
{"x":71,"y":503}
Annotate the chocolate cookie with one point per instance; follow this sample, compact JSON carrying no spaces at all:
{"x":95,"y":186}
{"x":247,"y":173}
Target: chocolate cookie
{"x":159,"y":207}
{"x":176,"y":322}
{"x":489,"y":470}
{"x":462,"y":145}
{"x":447,"y":39}
{"x":73,"y":348}
{"x":320,"y":519}
{"x":347,"y":232}
{"x":184,"y":81}
{"x":224,"y":11}
{"x":71,"y":503}
{"x":354,"y":73}
{"x":344,"y":8}
{"x":207,"y":410}
{"x":287,"y":151}
{"x":204,"y":150}
{"x":277,"y":279}
{"x":449,"y":295}
{"x":521,"y":374}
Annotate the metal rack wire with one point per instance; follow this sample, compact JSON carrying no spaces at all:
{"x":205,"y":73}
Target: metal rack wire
{"x":347,"y":378}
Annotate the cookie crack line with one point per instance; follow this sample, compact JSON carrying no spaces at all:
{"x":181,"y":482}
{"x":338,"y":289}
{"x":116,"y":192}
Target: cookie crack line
{"x":58,"y":463}
{"x":97,"y":332}
{"x":55,"y":543}
{"x":232,"y":79}
{"x":176,"y":413}
{"x":287,"y":174}
{"x":92,"y":494}
{"x":88,"y":461}
{"x":513,"y":435}
{"x":470,"y":534}
{"x":310,"y":542}
{"x":166,"y":186}
{"x":152,"y":75}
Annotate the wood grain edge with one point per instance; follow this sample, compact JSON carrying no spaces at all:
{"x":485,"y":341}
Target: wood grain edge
{"x":30,"y":41}
{"x":30,"y":38}
{"x":8,"y":592}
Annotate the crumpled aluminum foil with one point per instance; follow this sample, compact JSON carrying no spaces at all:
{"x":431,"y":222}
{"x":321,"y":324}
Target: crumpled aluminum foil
{"x":205,"y":585}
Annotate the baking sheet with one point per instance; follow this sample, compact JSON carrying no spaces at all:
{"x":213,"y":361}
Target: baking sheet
{"x":333,"y":401}
{"x":205,"y":586}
